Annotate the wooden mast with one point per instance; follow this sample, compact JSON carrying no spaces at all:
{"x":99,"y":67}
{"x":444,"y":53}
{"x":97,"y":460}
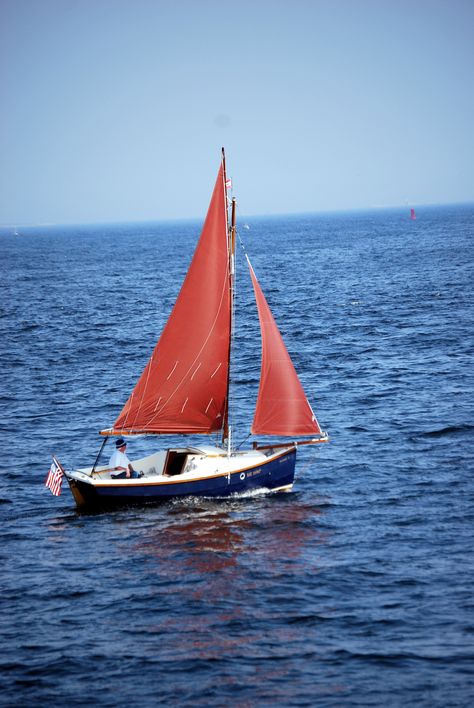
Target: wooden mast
{"x":231,"y":241}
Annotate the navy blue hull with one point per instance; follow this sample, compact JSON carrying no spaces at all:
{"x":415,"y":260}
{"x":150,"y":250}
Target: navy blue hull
{"x":274,"y":474}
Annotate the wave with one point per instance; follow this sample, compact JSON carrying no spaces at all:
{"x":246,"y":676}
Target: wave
{"x":236,"y":496}
{"x":403,"y":657}
{"x":449,"y":430}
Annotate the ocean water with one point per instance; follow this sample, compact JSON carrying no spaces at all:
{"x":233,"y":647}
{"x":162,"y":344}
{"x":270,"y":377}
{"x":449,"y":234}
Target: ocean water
{"x":356,"y":589}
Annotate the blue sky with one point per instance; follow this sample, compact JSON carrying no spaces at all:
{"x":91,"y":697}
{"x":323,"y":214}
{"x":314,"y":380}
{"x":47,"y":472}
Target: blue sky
{"x":115,"y":110}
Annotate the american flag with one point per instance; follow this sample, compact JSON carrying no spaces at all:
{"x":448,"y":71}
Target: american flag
{"x":54,"y":479}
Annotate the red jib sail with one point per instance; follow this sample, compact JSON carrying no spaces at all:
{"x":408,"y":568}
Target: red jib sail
{"x":282,"y":407}
{"x":183,"y":388}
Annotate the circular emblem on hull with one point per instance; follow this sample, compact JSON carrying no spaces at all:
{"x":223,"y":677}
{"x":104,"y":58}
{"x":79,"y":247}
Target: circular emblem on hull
{"x":242,"y":475}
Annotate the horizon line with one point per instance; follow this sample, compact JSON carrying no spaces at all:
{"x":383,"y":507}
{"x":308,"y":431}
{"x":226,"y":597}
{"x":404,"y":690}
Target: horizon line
{"x":105,"y":222}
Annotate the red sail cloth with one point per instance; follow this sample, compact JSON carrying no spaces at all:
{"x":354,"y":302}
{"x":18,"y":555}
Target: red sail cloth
{"x":282,"y":407}
{"x":183,"y":388}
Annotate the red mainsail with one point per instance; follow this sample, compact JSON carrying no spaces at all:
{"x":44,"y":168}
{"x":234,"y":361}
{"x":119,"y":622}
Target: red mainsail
{"x":282,"y":407}
{"x":183,"y":388}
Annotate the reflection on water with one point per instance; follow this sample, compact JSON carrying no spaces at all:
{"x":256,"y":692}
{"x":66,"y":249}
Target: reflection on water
{"x":231,"y":573}
{"x":216,"y":537}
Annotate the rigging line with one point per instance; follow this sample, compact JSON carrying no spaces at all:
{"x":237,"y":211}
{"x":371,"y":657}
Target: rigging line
{"x":311,"y":461}
{"x":243,"y":441}
{"x":242,"y":244}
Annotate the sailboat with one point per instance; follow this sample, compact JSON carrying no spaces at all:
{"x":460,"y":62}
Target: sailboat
{"x":412,"y":214}
{"x":184,"y":390}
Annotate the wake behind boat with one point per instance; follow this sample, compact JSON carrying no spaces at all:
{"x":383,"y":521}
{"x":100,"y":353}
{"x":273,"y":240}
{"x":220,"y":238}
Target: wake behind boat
{"x":184,"y":390}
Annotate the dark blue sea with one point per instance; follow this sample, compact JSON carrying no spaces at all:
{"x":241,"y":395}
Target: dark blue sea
{"x":355,"y":589}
